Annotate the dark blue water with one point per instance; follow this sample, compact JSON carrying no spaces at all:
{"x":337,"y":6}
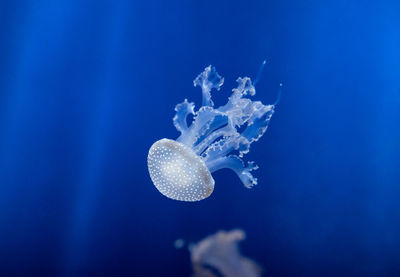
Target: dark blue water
{"x":86,"y":87}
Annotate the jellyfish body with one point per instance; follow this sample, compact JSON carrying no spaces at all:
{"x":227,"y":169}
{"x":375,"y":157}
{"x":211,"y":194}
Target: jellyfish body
{"x":178,"y":172}
{"x":181,"y":169}
{"x":219,"y":255}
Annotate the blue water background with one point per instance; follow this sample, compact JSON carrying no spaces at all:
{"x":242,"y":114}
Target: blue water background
{"x":87,"y":86}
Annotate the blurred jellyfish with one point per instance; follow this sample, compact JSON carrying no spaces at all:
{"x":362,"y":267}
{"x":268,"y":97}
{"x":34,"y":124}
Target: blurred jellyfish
{"x":219,"y":255}
{"x":181,"y":169}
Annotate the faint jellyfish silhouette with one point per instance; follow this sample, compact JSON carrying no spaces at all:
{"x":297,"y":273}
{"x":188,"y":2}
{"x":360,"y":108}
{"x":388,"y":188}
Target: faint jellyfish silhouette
{"x":181,"y":169}
{"x":219,"y":255}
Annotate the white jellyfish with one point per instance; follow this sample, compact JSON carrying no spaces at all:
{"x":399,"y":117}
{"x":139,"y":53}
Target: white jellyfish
{"x":219,"y":255}
{"x":217,"y":138}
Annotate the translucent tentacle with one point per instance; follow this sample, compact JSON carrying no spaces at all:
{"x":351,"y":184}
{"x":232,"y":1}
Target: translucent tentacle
{"x":217,"y":132}
{"x":245,"y":87}
{"x":206,"y":120}
{"x":278,"y":98}
{"x":217,"y":122}
{"x":225,"y":146}
{"x":260,"y":70}
{"x":201,"y":122}
{"x":208,"y":80}
{"x":208,"y":140}
{"x":240,"y":111}
{"x":238,"y":108}
{"x":258,"y":123}
{"x":236,"y":164}
{"x":182,"y":111}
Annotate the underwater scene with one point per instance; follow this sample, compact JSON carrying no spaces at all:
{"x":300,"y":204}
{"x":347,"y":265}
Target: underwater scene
{"x":199,"y":138}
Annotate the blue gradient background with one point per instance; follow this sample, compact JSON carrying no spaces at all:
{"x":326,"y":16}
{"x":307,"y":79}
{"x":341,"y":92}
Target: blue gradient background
{"x":87,"y":86}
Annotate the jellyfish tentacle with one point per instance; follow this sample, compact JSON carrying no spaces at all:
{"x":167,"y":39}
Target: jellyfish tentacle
{"x":213,"y":136}
{"x":218,"y":121}
{"x":226,"y":145}
{"x":258,"y":123}
{"x":245,"y":87}
{"x":209,"y":79}
{"x":278,"y":98}
{"x":201,"y":121}
{"x":237,"y":165}
{"x":260,"y":70}
{"x":182,"y":111}
{"x":239,"y":111}
{"x":203,"y":124}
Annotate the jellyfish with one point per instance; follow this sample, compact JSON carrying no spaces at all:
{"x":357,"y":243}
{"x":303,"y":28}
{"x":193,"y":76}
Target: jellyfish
{"x":219,"y":255}
{"x":217,"y":138}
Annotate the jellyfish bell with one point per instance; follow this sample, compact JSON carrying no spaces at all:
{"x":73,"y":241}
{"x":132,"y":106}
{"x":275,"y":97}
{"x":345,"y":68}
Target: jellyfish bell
{"x":177,"y":172}
{"x":181,"y":169}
